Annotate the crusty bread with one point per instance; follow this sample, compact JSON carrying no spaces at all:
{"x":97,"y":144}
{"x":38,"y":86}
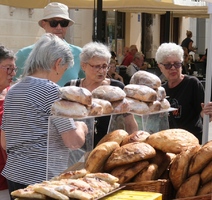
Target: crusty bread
{"x":147,"y":174}
{"x":108,"y":92}
{"x":137,"y":136}
{"x":140,"y":92}
{"x":127,"y":172}
{"x":201,"y":159}
{"x":205,"y":189}
{"x":107,"y":108}
{"x":155,"y":106}
{"x":206,"y":174}
{"x":179,"y":168}
{"x":190,"y":187}
{"x":161,"y":93}
{"x":165,"y":104}
{"x":142,"y":77}
{"x":120,"y":106}
{"x":99,"y":155}
{"x":132,"y":152}
{"x":78,"y":94}
{"x":115,"y":136}
{"x":172,"y":140}
{"x":137,"y":106}
{"x":95,"y":109}
{"x":70,"y":109}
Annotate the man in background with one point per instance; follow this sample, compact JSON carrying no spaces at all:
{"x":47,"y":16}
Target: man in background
{"x":129,"y":56}
{"x":55,"y":20}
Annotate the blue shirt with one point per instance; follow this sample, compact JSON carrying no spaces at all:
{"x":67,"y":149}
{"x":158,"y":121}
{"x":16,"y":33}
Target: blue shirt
{"x":71,"y":73}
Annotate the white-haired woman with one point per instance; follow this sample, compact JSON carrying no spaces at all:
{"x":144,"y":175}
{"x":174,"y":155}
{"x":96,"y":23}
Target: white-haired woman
{"x":26,"y":112}
{"x":186,"y":93}
{"x":95,"y":59}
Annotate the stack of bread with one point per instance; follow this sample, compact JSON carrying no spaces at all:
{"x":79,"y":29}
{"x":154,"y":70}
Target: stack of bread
{"x":145,"y":94}
{"x":173,"y":154}
{"x":78,"y":102}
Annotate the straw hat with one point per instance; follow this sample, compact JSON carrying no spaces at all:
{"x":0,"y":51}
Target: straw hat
{"x":55,"y":9}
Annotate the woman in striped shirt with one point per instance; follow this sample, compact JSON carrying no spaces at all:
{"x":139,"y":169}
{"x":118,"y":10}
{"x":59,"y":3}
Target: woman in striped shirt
{"x":26,"y":115}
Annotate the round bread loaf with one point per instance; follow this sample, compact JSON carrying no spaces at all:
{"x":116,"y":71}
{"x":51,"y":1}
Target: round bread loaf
{"x":161,"y":93}
{"x":201,"y":159}
{"x":137,"y":136}
{"x":115,"y":136}
{"x":75,"y":93}
{"x":121,"y":106}
{"x":69,"y":109}
{"x":179,"y":168}
{"x":107,"y":108}
{"x":129,"y":153}
{"x":205,"y":189}
{"x":142,"y":77}
{"x":206,"y":174}
{"x":155,"y":106}
{"x":172,"y":140}
{"x":165,"y":104}
{"x":108,"y":92}
{"x":96,"y":159}
{"x":140,"y":92}
{"x":137,"y":106}
{"x":190,"y":187}
{"x":126,"y":172}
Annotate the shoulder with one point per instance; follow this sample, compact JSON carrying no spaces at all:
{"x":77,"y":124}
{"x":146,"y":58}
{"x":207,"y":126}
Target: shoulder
{"x":75,"y":48}
{"x":25,"y":50}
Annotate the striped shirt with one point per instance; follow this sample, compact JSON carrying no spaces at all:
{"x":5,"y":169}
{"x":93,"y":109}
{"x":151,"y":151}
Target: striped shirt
{"x":27,"y":108}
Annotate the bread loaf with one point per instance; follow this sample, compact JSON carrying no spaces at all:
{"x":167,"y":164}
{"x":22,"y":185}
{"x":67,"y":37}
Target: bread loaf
{"x":95,"y":109}
{"x":172,"y":140}
{"x":121,"y":106}
{"x":140,"y":92}
{"x":108,"y":92}
{"x":129,"y":153}
{"x":70,"y":109}
{"x":137,"y":106}
{"x":107,"y":108}
{"x":206,"y":174}
{"x":161,"y":93}
{"x":77,"y":94}
{"x":142,"y":77}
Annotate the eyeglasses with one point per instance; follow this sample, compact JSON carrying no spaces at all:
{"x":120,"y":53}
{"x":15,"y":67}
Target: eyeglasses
{"x":54,"y":23}
{"x":10,"y":69}
{"x":105,"y":67}
{"x":169,"y":65}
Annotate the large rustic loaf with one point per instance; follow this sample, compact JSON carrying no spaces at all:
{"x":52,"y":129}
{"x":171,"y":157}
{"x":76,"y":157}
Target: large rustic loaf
{"x":140,"y":92}
{"x":70,"y":109}
{"x":206,"y":174}
{"x":78,"y":94}
{"x":172,"y":140}
{"x":137,"y":106}
{"x":129,"y":153}
{"x":146,"y":78}
{"x":201,"y":159}
{"x":107,"y":108}
{"x":108,"y":92}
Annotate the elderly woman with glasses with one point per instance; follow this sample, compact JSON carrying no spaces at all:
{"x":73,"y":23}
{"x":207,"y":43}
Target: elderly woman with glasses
{"x":185,"y":93}
{"x":95,"y":59}
{"x":7,"y":71}
{"x":27,"y":108}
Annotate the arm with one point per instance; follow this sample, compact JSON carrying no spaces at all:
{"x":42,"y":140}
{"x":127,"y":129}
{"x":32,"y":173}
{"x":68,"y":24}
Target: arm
{"x":130,"y":124}
{"x":3,"y":140}
{"x":75,"y":138}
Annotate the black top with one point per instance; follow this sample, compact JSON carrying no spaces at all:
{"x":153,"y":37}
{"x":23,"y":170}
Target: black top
{"x":187,"y":98}
{"x":185,"y":43}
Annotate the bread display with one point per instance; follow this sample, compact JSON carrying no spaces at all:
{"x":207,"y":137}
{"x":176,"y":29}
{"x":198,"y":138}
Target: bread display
{"x":142,"y":77}
{"x":107,"y":108}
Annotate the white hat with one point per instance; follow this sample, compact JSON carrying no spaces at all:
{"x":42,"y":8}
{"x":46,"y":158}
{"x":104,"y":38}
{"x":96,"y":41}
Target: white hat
{"x":55,"y":9}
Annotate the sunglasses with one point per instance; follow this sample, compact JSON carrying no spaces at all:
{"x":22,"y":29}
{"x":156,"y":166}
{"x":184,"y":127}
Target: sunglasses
{"x":54,"y":23}
{"x":105,"y":67}
{"x":169,"y":65}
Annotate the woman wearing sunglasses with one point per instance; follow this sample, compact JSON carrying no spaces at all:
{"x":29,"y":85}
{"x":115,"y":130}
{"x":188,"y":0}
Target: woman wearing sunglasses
{"x":95,"y":59}
{"x":185,"y":93}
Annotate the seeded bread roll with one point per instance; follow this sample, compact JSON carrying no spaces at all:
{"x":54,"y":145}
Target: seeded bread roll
{"x":140,"y":92}
{"x":77,"y":94}
{"x":142,"y":77}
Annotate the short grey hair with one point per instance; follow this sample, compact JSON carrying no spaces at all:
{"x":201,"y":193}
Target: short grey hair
{"x":47,"y":50}
{"x":166,"y":50}
{"x":138,"y":55}
{"x":6,"y":53}
{"x":95,"y":49}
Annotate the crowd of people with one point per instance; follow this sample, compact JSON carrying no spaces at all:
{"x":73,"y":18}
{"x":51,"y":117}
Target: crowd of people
{"x":30,"y":82}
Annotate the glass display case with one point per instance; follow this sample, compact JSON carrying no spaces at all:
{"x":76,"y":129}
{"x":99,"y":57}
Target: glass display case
{"x":59,"y":157}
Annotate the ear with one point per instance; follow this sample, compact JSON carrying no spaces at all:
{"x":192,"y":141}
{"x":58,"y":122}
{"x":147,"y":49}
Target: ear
{"x":160,"y":66}
{"x":83,"y":65}
{"x":57,"y":65}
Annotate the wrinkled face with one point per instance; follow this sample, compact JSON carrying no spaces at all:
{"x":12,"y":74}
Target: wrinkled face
{"x":7,"y":71}
{"x":171,"y":68}
{"x":95,"y":69}
{"x":58,"y":30}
